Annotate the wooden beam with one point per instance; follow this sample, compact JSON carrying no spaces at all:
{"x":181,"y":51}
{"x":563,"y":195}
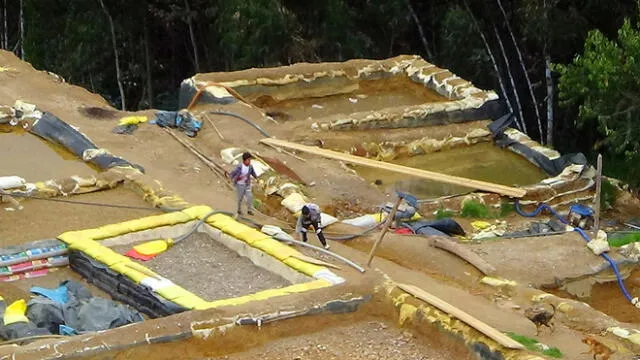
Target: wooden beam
{"x":481,"y":326}
{"x":424,"y":174}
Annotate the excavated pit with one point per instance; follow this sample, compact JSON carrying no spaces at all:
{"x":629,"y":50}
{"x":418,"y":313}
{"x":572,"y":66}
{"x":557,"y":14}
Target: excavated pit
{"x":366,"y":96}
{"x":211,"y":270}
{"x":483,"y":161}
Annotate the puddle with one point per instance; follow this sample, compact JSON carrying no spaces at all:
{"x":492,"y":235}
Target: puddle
{"x":370,"y":95}
{"x":483,"y":161}
{"x":34,"y":159}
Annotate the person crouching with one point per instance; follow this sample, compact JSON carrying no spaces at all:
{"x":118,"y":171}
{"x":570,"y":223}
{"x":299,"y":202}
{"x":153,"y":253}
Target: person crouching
{"x":310,"y":217}
{"x":241,"y":178}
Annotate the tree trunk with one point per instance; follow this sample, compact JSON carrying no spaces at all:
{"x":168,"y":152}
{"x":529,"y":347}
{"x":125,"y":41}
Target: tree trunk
{"x":524,"y":69}
{"x":115,"y":55}
{"x":523,"y":124}
{"x":193,"y":36}
{"x":549,"y":80}
{"x":493,"y":61}
{"x":547,"y":75}
{"x":147,"y":59}
{"x":3,"y":35}
{"x":21,"y":30}
{"x":415,"y":18}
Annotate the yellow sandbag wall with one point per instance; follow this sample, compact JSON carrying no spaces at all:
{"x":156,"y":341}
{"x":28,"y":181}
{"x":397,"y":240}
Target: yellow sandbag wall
{"x":86,"y":241}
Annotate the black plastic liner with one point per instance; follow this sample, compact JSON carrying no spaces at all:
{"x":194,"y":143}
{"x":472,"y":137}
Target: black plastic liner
{"x":551,"y":167}
{"x":121,"y":288}
{"x":187,"y":92}
{"x":51,"y":128}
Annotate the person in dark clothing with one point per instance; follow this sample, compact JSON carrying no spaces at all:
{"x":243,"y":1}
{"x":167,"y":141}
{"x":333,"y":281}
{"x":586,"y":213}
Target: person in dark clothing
{"x":241,"y":177}
{"x":310,"y":217}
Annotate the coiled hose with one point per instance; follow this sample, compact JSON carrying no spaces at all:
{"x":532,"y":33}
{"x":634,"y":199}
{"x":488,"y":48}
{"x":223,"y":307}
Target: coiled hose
{"x":580,"y":231}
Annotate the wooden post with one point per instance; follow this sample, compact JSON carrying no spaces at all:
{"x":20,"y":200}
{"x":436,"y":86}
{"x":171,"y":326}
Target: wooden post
{"x":596,"y":215}
{"x":387,"y":225}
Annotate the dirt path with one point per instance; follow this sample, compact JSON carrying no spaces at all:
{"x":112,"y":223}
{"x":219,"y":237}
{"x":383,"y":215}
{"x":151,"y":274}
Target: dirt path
{"x":42,"y":219}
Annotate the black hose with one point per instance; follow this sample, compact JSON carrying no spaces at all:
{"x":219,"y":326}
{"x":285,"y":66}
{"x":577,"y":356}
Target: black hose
{"x":255,"y":126}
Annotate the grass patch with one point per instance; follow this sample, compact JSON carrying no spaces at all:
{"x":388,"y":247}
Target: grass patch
{"x":531,"y":345}
{"x":617,"y":240}
{"x":474,"y":209}
{"x":506,"y":208}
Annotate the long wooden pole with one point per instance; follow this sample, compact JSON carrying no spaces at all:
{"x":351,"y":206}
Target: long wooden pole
{"x":424,"y":174}
{"x":387,"y":224}
{"x":475,"y":323}
{"x":596,"y":223}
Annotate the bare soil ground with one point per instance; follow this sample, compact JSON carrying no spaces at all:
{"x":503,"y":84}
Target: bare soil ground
{"x":359,"y":341}
{"x":41,"y":219}
{"x":211,"y":270}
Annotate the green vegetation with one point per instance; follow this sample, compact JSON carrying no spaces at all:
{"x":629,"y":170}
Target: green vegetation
{"x":531,"y":345}
{"x":602,"y":84}
{"x":474,"y":209}
{"x":506,"y":208}
{"x":608,"y":194}
{"x":621,"y":239}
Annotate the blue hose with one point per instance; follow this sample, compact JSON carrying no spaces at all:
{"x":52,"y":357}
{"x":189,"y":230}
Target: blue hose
{"x":580,"y":231}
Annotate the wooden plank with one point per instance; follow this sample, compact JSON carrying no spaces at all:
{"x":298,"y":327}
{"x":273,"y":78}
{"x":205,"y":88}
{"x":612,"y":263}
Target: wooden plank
{"x":424,"y":174}
{"x":387,"y":225}
{"x":482,"y":327}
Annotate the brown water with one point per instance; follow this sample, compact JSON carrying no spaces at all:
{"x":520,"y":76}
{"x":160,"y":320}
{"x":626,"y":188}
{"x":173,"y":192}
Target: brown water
{"x":34,"y":159}
{"x":484,"y":162}
{"x":371,"y":95}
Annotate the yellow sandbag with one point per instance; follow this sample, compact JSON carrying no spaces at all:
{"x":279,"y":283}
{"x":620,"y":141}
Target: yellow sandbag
{"x":153,"y":247}
{"x":221,"y":223}
{"x":216,"y":218}
{"x":235,"y":228}
{"x":174,"y":292}
{"x":110,"y":257}
{"x":266,"y":294}
{"x":71,"y":237}
{"x":191,"y":302}
{"x":303,"y":267}
{"x":253,"y":235}
{"x":16,"y":312}
{"x":275,"y":248}
{"x":197,"y":212}
{"x":133,"y":120}
{"x":133,"y":274}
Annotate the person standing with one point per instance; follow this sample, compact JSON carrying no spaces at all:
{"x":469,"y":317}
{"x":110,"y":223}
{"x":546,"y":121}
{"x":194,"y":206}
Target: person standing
{"x":241,"y":178}
{"x":310,"y":217}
